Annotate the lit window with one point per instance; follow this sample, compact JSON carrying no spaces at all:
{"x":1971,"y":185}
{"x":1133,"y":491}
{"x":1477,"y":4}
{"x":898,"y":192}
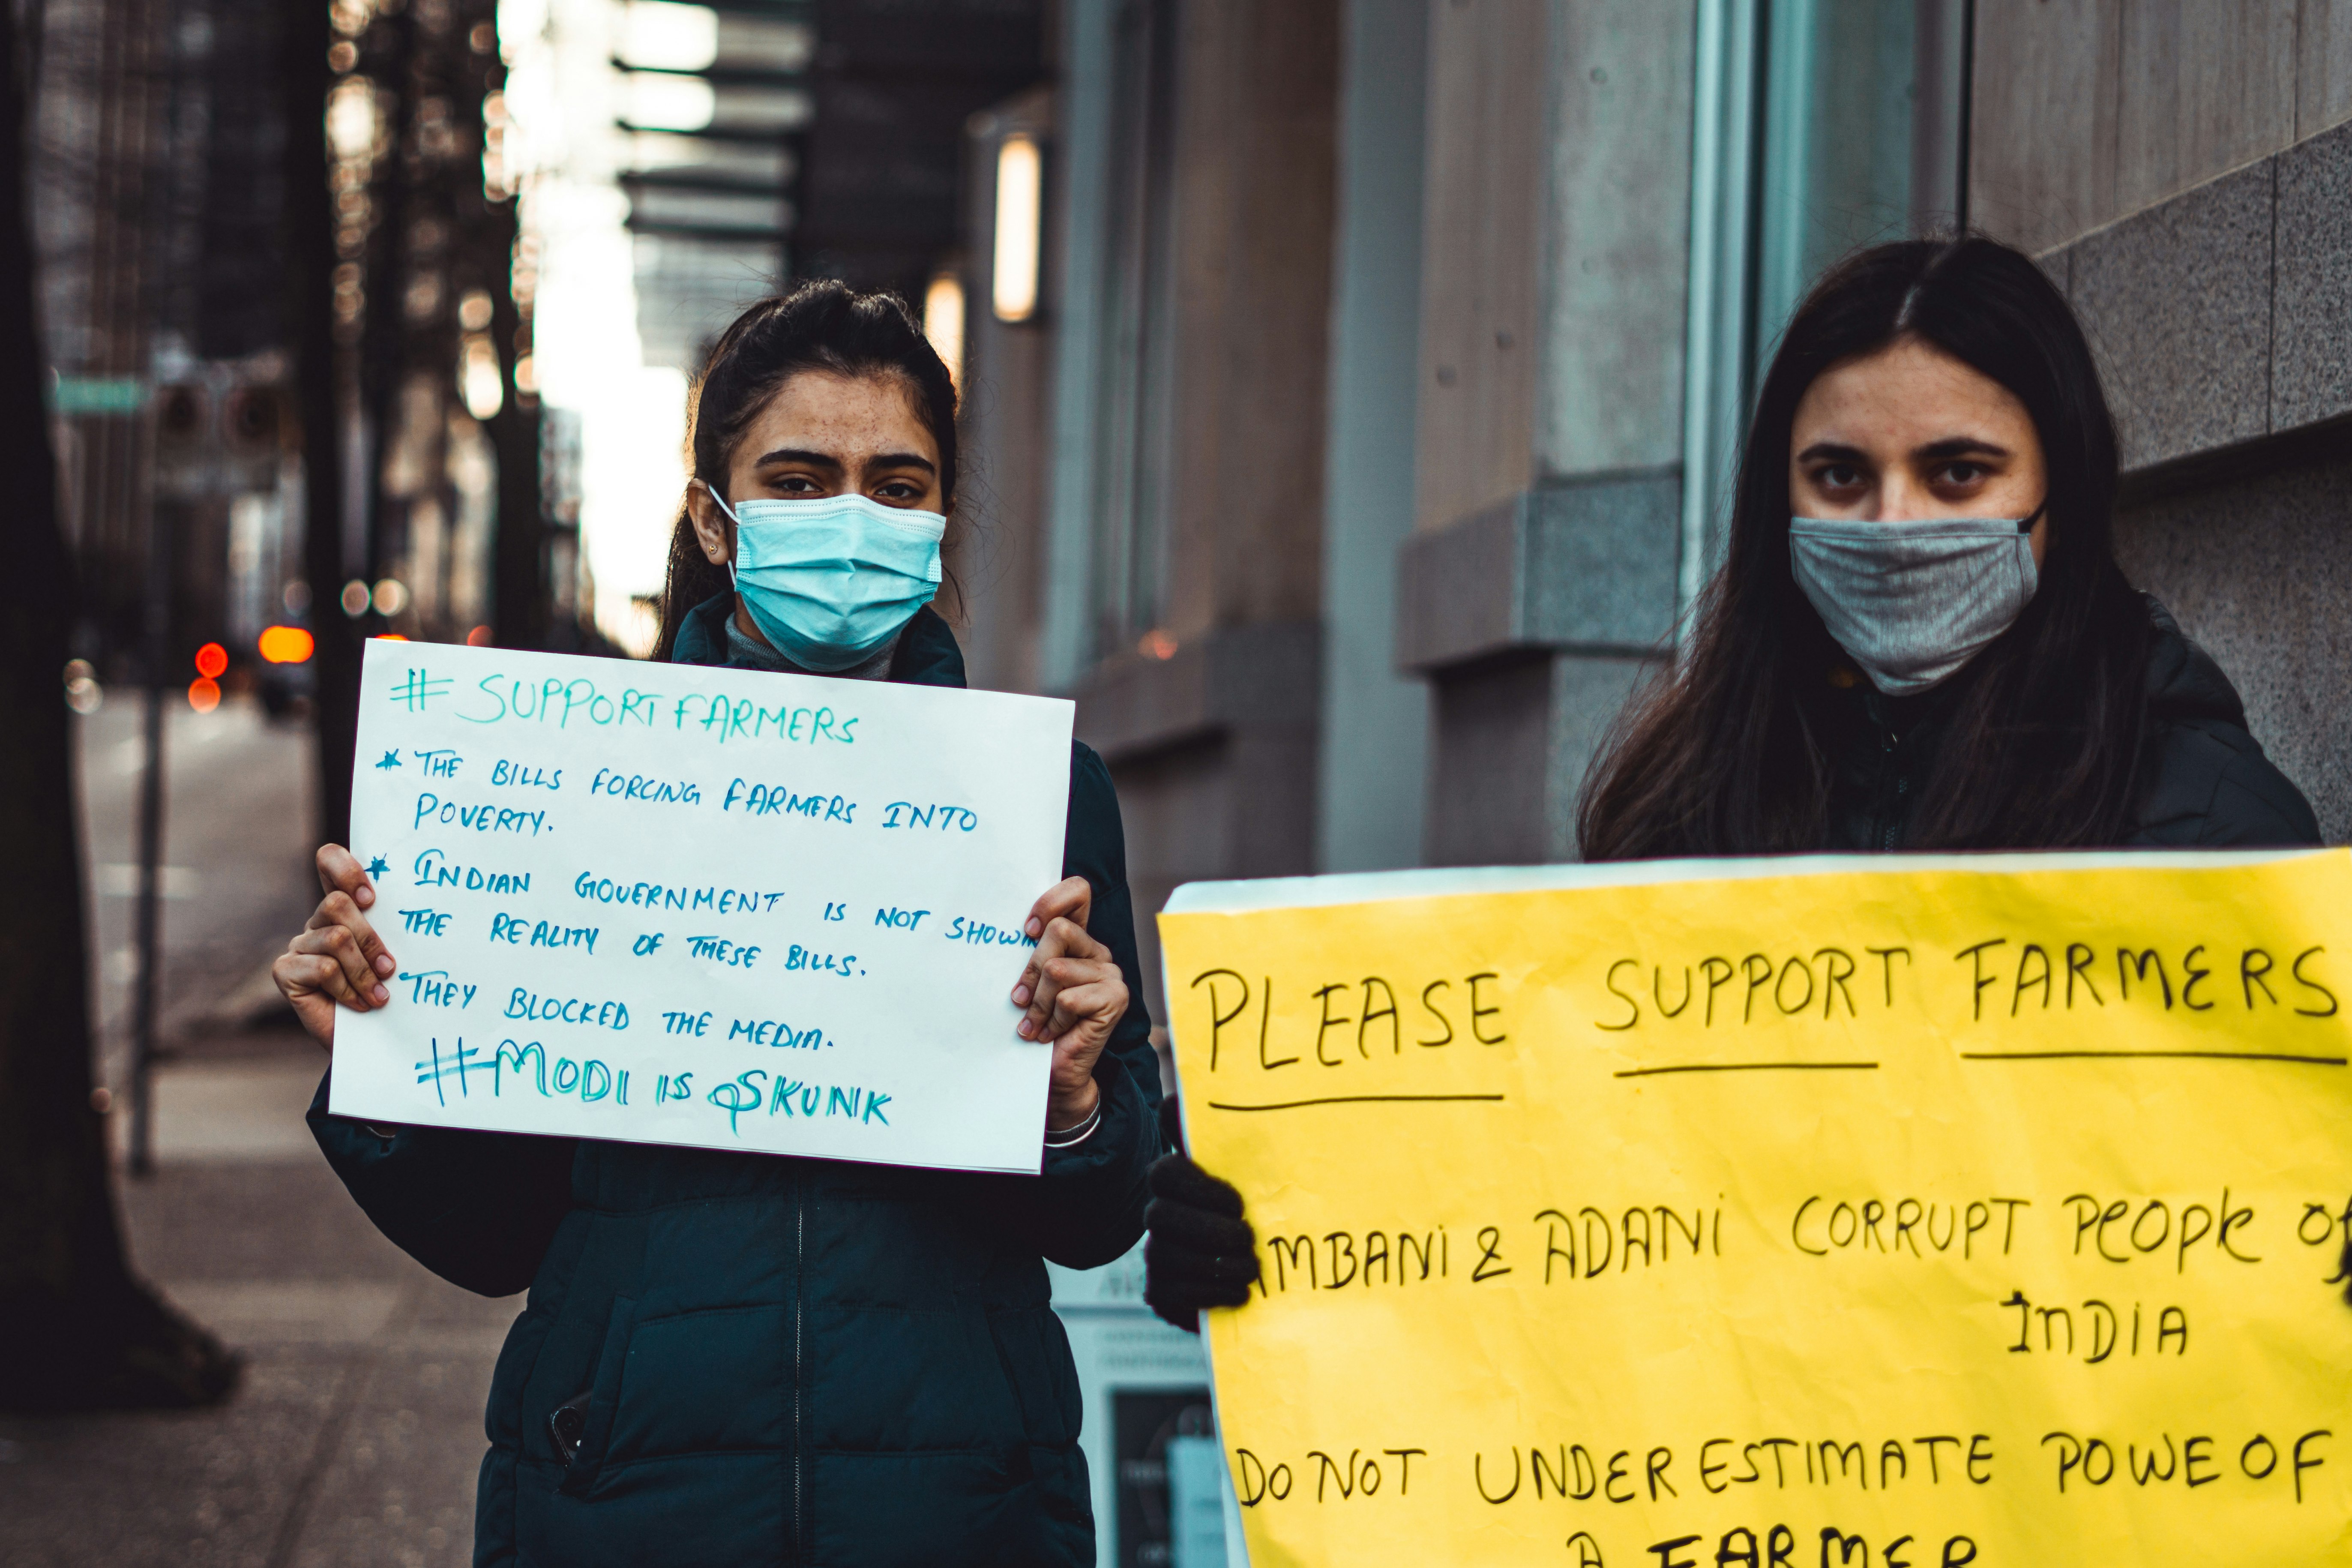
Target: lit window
{"x":1019,"y":208}
{"x":661,"y":36}
{"x":943,"y":321}
{"x":670,"y":102}
{"x":479,"y":379}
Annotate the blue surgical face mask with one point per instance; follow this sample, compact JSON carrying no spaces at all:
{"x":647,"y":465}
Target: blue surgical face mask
{"x":1912,"y":601}
{"x":832,"y":579}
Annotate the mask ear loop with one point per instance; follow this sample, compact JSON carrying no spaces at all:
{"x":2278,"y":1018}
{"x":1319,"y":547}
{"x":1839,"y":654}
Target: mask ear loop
{"x":2025,"y":525}
{"x":721,"y":502}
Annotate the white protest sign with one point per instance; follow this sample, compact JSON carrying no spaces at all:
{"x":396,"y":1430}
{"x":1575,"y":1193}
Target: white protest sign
{"x":670,"y":904}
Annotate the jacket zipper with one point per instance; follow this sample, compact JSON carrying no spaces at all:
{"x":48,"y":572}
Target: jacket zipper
{"x":800,"y":1249}
{"x":1888,"y":743}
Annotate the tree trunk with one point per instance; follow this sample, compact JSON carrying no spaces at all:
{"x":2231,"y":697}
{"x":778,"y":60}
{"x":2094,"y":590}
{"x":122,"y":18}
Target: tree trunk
{"x":80,"y":1330}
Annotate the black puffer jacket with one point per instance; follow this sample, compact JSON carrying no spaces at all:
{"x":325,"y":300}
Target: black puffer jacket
{"x":2204,"y":782}
{"x":784,"y":1361}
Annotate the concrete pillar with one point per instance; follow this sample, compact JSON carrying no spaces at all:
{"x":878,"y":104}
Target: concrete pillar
{"x":996,"y":554}
{"x":1541,"y":579}
{"x":1186,"y":542}
{"x":1375,"y":725}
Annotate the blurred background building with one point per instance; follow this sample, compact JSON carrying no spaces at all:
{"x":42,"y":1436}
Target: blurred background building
{"x":1358,"y":404}
{"x":1351,"y":386}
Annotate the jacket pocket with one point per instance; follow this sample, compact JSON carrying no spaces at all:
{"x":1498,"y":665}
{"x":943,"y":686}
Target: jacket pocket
{"x":1033,"y":1356}
{"x":595,"y":1424}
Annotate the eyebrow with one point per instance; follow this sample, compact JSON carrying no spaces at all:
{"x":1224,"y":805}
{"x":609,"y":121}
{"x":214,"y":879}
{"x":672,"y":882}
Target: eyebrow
{"x":1949,"y":446}
{"x":826,"y":460}
{"x":1961,"y":446}
{"x":799,"y":455}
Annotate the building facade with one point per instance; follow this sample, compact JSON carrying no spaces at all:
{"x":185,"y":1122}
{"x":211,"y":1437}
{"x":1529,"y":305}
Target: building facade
{"x":1372,"y":433}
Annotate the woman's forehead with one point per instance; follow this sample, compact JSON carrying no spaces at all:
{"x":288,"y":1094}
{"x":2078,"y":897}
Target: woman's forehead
{"x":842,"y":415}
{"x":1901,"y":390}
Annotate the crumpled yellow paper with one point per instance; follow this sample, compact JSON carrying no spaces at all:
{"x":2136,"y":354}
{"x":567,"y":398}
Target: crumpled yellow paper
{"x":1860,"y":1212}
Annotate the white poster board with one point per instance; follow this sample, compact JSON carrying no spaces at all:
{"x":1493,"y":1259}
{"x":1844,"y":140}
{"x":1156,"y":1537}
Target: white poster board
{"x":671,"y":904}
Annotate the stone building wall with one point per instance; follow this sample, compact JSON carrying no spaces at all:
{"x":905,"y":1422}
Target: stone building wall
{"x":2184,"y":167}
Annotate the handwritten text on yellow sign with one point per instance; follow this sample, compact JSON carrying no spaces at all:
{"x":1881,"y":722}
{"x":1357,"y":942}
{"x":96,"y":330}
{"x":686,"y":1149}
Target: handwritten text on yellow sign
{"x":1861,"y":1213}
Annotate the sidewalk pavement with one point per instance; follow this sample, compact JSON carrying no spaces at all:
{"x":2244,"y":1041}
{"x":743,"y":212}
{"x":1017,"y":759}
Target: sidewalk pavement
{"x":356,"y":1436}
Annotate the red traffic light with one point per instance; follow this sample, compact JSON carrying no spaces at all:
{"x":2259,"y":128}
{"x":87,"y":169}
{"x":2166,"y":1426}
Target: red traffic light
{"x":211,"y":661}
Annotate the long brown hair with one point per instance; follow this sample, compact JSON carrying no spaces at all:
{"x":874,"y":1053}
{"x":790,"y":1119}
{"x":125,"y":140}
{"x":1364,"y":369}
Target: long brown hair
{"x":820,"y":325}
{"x":1728,"y":754}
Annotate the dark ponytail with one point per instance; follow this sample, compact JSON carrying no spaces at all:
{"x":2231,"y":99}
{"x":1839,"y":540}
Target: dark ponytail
{"x":819,"y":325}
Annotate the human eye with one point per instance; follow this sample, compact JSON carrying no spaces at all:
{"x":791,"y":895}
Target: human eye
{"x":1837,"y":477}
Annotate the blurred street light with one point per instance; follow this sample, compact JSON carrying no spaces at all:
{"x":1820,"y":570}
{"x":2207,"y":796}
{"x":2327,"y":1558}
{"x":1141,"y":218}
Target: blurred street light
{"x":658,"y":102}
{"x":83,"y":693}
{"x":1020,"y":211}
{"x":479,"y":379}
{"x":943,"y":322}
{"x":353,"y":121}
{"x":659,"y":35}
{"x":212,"y":663}
{"x":286,"y":644}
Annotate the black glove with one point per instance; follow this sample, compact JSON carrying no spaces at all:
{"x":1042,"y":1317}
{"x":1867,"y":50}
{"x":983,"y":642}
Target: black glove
{"x":1198,"y":1250}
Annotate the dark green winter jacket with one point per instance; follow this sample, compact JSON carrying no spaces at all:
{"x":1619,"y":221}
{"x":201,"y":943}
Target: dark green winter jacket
{"x":783,"y":1360}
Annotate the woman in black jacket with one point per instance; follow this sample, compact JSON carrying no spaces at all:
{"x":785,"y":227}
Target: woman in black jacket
{"x":738,"y":1359}
{"x":1919,"y":640}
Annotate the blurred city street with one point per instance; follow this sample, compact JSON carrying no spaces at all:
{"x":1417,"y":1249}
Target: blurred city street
{"x":354,"y":1435}
{"x":1358,"y":426}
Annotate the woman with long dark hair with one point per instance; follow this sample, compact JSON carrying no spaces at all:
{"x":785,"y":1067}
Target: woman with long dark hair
{"x":1919,"y":638}
{"x":747,"y":1358}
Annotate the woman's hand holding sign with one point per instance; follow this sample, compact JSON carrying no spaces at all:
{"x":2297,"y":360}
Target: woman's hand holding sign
{"x":337,"y":957}
{"x":1074,"y":998}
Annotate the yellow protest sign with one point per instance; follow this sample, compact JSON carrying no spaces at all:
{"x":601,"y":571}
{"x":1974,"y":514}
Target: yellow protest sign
{"x":1982,"y":1210}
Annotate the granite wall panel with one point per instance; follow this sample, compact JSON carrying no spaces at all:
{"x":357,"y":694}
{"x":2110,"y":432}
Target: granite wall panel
{"x":1489,"y":778}
{"x":1480,"y":293}
{"x":2176,"y":301}
{"x":2204,"y":86}
{"x":1588,"y":692}
{"x":2259,"y":572}
{"x":2310,"y":337}
{"x":2323,"y":94}
{"x":2042,"y":152}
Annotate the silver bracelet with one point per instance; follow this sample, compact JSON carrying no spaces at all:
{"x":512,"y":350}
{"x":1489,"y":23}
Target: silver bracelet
{"x":1070,"y":1137}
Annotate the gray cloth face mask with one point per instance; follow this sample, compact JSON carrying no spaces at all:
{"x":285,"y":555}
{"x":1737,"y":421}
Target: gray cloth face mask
{"x":1911,"y":602}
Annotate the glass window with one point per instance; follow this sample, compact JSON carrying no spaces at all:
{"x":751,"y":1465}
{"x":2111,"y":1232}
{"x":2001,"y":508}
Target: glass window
{"x":1823,"y":126}
{"x":1133,"y":438}
{"x":1860,"y":137}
